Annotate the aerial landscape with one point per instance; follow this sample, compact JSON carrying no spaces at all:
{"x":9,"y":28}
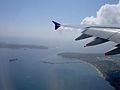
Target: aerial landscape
{"x":108,"y":67}
{"x":60,"y":45}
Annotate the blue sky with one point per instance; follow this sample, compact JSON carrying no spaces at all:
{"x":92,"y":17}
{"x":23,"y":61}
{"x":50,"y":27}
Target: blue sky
{"x":24,"y":17}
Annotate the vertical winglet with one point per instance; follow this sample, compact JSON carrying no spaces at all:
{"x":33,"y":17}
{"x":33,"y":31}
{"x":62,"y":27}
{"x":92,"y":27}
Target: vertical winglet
{"x":57,"y":25}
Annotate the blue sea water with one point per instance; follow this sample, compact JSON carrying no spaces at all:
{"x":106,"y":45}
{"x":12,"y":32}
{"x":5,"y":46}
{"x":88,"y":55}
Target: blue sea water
{"x":30,"y":72}
{"x":39,"y":69}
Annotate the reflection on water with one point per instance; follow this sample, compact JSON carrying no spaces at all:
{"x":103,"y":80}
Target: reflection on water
{"x":44,"y":70}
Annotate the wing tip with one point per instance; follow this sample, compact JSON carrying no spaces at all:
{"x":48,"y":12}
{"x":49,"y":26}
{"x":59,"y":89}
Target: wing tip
{"x":57,"y":25}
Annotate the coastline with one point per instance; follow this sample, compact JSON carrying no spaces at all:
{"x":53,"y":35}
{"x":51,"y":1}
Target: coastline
{"x":108,"y":68}
{"x":22,"y":46}
{"x":99,"y":72}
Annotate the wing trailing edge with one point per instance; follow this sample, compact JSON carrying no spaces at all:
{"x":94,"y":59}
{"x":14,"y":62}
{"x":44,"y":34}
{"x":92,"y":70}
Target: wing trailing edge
{"x":97,"y":41}
{"x":113,"y":51}
{"x":83,"y":36}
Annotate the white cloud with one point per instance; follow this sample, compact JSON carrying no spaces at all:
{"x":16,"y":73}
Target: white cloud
{"x":107,"y":14}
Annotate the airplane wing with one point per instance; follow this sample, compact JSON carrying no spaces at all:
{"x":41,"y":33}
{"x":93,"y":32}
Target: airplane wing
{"x":102,"y":33}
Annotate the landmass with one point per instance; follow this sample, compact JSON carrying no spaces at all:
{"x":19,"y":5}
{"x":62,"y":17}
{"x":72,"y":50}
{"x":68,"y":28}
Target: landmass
{"x":24,"y":46}
{"x":108,"y":67}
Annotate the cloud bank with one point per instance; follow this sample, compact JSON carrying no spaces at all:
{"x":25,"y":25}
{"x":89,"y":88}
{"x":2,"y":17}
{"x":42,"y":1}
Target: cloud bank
{"x":107,"y":14}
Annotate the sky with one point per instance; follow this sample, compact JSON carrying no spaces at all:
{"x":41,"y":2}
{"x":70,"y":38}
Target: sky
{"x":32,"y":18}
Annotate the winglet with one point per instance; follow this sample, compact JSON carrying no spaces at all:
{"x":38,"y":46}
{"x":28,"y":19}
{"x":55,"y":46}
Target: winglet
{"x":57,"y":25}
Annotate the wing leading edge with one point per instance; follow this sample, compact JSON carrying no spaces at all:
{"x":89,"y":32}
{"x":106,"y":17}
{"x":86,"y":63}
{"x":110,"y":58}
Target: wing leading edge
{"x":103,"y":34}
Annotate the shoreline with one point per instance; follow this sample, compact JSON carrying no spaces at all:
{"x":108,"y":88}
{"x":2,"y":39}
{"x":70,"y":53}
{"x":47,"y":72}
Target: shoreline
{"x":108,"y":69}
{"x":98,"y":71}
{"x":22,"y":46}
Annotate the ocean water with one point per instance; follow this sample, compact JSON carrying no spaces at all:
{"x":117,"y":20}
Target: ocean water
{"x":45,"y":70}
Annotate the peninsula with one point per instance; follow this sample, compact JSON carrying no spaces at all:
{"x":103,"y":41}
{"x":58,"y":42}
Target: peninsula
{"x":24,"y":46}
{"x":109,"y":67}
